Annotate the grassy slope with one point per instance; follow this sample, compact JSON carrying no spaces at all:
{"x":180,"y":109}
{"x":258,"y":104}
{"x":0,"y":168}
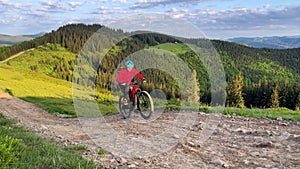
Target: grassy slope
{"x":43,"y":59}
{"x":174,"y":48}
{"x":52,"y":94}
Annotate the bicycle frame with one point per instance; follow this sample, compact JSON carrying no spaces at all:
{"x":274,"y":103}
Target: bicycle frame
{"x":144,"y":107}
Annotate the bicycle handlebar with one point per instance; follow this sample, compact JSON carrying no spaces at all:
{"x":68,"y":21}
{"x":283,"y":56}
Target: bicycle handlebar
{"x":135,"y":82}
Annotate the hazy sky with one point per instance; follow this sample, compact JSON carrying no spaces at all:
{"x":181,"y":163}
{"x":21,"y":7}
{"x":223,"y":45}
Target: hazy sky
{"x":215,"y":18}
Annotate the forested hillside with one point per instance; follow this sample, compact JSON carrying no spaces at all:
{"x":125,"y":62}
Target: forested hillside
{"x":256,"y":77}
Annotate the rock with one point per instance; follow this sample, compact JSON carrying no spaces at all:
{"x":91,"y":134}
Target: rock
{"x":122,"y":161}
{"x":60,"y":136}
{"x":124,"y":122}
{"x":283,"y":124}
{"x":176,"y":136}
{"x":132,"y":166}
{"x":230,"y":151}
{"x":284,"y":136}
{"x":264,"y":144}
{"x":147,"y":161}
{"x":218,"y":161}
{"x":243,"y":131}
{"x":295,"y":138}
{"x":43,"y":127}
{"x":254,"y":154}
{"x":189,"y":143}
{"x":247,"y":162}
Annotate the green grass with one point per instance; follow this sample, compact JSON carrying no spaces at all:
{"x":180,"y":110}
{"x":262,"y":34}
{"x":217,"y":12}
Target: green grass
{"x":75,"y":148}
{"x":39,"y":152}
{"x":53,"y":95}
{"x":102,"y":152}
{"x":284,"y":113}
{"x":271,"y":113}
{"x":43,"y":59}
{"x":177,"y":48}
{"x":22,"y":83}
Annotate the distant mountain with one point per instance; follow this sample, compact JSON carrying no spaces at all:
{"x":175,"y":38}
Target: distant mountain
{"x":10,"y":40}
{"x":276,"y":42}
{"x":36,"y":35}
{"x":6,"y":40}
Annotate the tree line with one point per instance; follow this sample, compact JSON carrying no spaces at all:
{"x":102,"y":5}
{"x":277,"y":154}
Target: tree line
{"x":263,"y":94}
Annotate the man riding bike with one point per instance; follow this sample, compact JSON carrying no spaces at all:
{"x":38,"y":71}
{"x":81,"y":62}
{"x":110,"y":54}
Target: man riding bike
{"x":124,"y":79}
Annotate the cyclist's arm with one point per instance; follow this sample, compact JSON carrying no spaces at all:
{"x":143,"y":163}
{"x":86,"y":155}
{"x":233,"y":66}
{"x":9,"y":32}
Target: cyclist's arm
{"x":138,"y":74}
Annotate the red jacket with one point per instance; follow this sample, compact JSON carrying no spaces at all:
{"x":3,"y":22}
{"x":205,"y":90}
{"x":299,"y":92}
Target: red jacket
{"x":125,"y":76}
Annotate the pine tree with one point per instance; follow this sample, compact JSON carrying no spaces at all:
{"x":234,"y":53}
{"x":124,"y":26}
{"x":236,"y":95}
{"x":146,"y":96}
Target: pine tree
{"x":284,"y":93}
{"x":265,"y":93}
{"x":275,"y":96}
{"x":193,"y":89}
{"x":297,"y":107}
{"x":234,"y":92}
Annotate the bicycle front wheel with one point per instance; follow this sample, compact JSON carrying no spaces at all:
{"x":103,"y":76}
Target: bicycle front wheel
{"x":125,"y":110}
{"x":145,"y":104}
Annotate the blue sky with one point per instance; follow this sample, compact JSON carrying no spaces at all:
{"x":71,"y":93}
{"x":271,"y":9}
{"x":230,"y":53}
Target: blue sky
{"x":217,"y":19}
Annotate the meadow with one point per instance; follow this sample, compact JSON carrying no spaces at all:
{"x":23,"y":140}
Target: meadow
{"x":55,"y":96}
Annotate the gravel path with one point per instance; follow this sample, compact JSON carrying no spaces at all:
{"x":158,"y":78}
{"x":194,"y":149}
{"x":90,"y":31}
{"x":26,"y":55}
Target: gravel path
{"x":235,"y":142}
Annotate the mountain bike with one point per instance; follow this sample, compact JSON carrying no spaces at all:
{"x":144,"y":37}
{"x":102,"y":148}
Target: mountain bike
{"x":141,"y":103}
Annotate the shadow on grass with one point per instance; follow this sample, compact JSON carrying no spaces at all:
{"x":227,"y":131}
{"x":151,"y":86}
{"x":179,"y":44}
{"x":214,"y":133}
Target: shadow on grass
{"x":65,"y":106}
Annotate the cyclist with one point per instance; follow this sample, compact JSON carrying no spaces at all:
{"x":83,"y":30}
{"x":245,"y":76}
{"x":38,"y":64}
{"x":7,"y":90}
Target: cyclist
{"x":124,"y":79}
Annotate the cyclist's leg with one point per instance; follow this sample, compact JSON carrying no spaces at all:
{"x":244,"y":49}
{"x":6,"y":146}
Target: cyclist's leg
{"x":125,"y":90}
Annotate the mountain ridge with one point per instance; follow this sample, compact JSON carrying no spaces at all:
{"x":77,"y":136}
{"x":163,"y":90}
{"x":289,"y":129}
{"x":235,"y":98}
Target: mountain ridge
{"x":6,"y":40}
{"x":275,"y":42}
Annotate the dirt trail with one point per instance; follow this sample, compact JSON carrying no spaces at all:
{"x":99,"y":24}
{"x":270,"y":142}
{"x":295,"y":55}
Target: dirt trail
{"x":16,"y":55}
{"x":237,"y":142}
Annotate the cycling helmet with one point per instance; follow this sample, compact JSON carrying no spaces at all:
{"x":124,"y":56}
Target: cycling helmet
{"x":129,"y":64}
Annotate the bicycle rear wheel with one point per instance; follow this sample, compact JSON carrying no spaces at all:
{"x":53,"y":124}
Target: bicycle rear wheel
{"x":145,"y":104}
{"x":125,"y":110}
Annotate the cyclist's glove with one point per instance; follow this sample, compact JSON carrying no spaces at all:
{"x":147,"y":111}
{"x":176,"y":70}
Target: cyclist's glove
{"x":144,"y":81}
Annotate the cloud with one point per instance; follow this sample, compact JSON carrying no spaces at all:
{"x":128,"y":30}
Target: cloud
{"x":242,"y":20}
{"x":13,"y":12}
{"x":227,"y":22}
{"x":109,"y":11}
{"x":53,"y":6}
{"x":76,"y":4}
{"x":251,"y":20}
{"x":144,"y":4}
{"x":121,"y":1}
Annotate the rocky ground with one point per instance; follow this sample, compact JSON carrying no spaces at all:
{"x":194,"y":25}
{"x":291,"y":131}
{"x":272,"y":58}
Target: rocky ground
{"x":168,"y":140}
